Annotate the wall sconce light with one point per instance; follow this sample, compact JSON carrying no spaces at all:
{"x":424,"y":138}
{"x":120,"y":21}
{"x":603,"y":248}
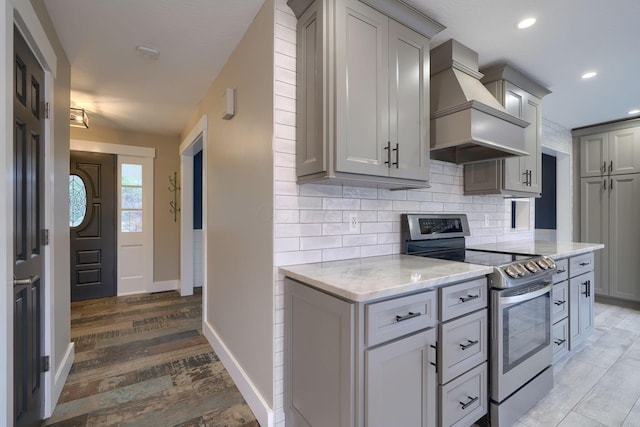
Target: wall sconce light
{"x":78,"y":118}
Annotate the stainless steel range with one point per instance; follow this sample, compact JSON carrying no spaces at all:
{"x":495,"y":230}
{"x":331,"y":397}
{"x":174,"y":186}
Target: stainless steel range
{"x":520,"y":311}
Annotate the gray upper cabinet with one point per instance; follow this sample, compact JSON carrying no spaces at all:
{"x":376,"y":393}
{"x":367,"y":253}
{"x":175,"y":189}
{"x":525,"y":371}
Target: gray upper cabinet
{"x":610,"y":153}
{"x":517,"y":176}
{"x":363,"y":93}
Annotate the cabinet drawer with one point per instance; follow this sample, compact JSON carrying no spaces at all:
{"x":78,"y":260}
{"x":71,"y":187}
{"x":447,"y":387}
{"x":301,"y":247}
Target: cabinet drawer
{"x":396,"y":317}
{"x":562,"y":270}
{"x":560,"y":335}
{"x":463,"y":298}
{"x":560,"y":301}
{"x":462,"y":345}
{"x":580,"y":264}
{"x":464,"y":399}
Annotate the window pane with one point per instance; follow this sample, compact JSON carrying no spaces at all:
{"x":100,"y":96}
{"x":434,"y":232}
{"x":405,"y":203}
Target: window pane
{"x":131,"y":197}
{"x":131,"y":174}
{"x":77,"y":200}
{"x":131,"y":221}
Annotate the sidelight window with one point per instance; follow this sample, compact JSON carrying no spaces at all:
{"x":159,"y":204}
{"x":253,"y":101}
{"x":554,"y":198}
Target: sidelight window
{"x":131,"y":198}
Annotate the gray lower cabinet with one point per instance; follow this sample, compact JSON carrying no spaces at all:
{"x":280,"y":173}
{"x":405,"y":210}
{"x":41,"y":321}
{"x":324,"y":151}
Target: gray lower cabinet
{"x":400,"y":382}
{"x":581,"y":298}
{"x":393,"y":362}
{"x":362,"y":93}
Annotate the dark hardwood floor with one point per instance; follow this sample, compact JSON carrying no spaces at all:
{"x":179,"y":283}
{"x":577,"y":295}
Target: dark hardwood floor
{"x":142,"y":361}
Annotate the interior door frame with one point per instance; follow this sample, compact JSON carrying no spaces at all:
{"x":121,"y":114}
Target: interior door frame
{"x":147,"y":154}
{"x":23,"y":16}
{"x":195,"y":141}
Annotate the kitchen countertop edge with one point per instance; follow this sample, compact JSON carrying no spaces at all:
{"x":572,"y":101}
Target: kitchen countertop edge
{"x":408,"y":279}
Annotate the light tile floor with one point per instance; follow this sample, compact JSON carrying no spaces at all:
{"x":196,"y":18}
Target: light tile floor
{"x":599,"y":384}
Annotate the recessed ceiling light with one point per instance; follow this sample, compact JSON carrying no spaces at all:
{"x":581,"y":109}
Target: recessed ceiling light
{"x":634,"y":112}
{"x":589,"y":75}
{"x":526,"y":23}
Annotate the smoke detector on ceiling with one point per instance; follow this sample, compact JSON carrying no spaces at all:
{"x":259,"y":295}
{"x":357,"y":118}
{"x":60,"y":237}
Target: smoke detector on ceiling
{"x":147,"y":52}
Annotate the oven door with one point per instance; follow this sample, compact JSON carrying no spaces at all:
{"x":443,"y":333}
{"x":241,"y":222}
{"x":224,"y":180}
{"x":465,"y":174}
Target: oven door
{"x":521,"y":336}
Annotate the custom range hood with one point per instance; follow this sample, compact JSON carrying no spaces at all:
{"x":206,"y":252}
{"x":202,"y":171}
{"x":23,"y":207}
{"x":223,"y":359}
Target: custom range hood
{"x":468,"y":124}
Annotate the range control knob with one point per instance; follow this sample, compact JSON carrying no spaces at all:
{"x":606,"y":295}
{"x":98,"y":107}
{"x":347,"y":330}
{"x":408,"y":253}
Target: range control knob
{"x":520,"y":269}
{"x":550,"y":263}
{"x":511,"y":271}
{"x":532,"y":266}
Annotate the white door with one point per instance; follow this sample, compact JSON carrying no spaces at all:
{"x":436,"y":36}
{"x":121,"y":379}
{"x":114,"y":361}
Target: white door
{"x":135,"y":224}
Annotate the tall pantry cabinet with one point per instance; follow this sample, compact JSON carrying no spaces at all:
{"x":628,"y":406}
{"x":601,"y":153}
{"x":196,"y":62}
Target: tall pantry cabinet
{"x":610,"y":204}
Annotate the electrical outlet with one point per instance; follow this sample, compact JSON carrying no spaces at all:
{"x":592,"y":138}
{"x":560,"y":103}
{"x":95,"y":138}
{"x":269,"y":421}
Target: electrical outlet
{"x":353,"y":222}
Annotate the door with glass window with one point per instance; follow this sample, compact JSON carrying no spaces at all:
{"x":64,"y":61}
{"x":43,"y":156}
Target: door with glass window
{"x":92,"y":207}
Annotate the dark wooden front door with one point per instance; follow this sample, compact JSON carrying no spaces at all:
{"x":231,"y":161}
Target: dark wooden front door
{"x":93,"y":237}
{"x":28,"y":203}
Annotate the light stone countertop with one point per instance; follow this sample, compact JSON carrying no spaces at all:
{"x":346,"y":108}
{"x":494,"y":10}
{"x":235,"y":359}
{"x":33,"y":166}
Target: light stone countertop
{"x":365,"y":279}
{"x":555,"y":250}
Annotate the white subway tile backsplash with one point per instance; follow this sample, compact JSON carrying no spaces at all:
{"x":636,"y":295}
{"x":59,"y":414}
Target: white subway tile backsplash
{"x":323,"y":242}
{"x":359,"y":239}
{"x":287,"y":244}
{"x":307,"y":216}
{"x":377,"y":227}
{"x":321,"y":190}
{"x":297,"y":230}
{"x":296,"y":202}
{"x":287,"y":160}
{"x":299,"y":257}
{"x":339,"y":203}
{"x":285,"y":118}
{"x":285,"y":188}
{"x":283,"y":145}
{"x":285,"y":47}
{"x":334,"y":229}
{"x":386,"y":194}
{"x":376,"y":205}
{"x":359,"y":192}
{"x":284,"y":174}
{"x":340,"y":253}
{"x":377,"y":250}
{"x":406,"y":206}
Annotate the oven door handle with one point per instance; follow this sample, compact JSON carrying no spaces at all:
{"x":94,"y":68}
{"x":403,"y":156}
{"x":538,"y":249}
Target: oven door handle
{"x":528,"y":296}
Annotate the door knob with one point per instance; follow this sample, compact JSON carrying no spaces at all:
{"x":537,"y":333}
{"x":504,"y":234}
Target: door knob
{"x":28,"y":281}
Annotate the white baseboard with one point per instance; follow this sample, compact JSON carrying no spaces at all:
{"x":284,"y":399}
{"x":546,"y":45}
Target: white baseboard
{"x":262,"y":411}
{"x":59,"y":378}
{"x":165,"y":285}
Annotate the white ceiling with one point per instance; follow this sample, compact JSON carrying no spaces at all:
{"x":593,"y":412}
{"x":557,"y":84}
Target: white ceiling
{"x":195,"y":38}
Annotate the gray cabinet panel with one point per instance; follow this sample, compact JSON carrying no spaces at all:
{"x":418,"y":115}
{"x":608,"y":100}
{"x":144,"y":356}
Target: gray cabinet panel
{"x":594,"y":154}
{"x":624,"y":237}
{"x":400,"y":383}
{"x":310,"y":136}
{"x":581,"y":300}
{"x":560,"y":301}
{"x":362,"y":93}
{"x":319,"y":334}
{"x":560,"y":337}
{"x":464,"y":399}
{"x":594,"y":224}
{"x":624,"y":151}
{"x":409,"y":102}
{"x":462,"y":345}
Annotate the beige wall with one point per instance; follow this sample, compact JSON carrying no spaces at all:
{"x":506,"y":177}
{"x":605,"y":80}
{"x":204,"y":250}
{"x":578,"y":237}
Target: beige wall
{"x":240,"y":204}
{"x":166,"y":232}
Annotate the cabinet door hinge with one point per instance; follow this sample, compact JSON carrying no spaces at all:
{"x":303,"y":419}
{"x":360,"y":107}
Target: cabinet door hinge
{"x":46,"y":363}
{"x":44,"y":237}
{"x":46,"y":110}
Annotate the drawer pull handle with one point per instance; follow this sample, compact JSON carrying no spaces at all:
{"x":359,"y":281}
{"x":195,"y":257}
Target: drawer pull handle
{"x":561,"y":271}
{"x":584,"y":264}
{"x":408,"y":316}
{"x":559,"y":302}
{"x":469,"y":344}
{"x":471,"y":401}
{"x":469,"y":298}
{"x":560,"y":341}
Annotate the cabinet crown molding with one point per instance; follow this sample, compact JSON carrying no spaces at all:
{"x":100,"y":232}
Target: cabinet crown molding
{"x":510,"y":74}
